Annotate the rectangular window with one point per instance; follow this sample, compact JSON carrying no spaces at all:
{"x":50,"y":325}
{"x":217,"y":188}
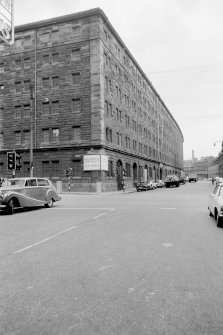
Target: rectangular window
{"x":18,"y":138}
{"x":17,"y":112}
{"x":76,"y":105}
{"x":55,"y":107}
{"x":45,"y":37}
{"x":55,"y":134}
{"x":76,"y":54}
{"x":76,"y":30}
{"x":128,"y":170}
{"x":27,"y":63}
{"x":76,"y":78}
{"x":45,"y":135}
{"x":46,"y":168}
{"x":55,"y":35}
{"x":45,"y":108}
{"x":18,"y":63}
{"x":46,"y":82}
{"x":46,"y":59}
{"x":77,"y":133}
{"x":27,"y":39}
{"x":26,"y":137}
{"x":55,"y":169}
{"x":27,"y":85}
{"x":55,"y":57}
{"x":55,"y":81}
{"x":77,"y":168}
{"x":26,"y":112}
{"x":18,"y":86}
{"x":18,"y":42}
{"x":26,"y":170}
{"x":110,"y":169}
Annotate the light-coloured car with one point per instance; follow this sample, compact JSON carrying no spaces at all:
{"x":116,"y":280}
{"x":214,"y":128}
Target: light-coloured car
{"x":152,"y":184}
{"x":160,"y":183}
{"x":215,"y":204}
{"x":27,"y":192}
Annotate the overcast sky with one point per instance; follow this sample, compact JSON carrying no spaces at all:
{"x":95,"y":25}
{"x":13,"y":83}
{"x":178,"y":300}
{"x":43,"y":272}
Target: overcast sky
{"x":179,"y":46}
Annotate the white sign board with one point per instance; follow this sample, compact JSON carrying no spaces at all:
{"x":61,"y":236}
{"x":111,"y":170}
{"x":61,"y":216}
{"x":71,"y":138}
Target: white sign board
{"x":95,"y":162}
{"x":6,"y":21}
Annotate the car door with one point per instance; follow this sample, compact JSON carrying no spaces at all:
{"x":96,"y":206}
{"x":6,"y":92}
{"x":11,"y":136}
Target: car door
{"x":213,"y":199}
{"x":43,"y":186}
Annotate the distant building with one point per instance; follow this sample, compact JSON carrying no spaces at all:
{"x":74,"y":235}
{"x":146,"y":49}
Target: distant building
{"x":198,"y":167}
{"x":93,"y":110}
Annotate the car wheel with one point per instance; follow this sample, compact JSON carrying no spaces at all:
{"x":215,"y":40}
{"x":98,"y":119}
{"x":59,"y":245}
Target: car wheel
{"x":219,"y":221}
{"x":10,"y":207}
{"x":50,"y":203}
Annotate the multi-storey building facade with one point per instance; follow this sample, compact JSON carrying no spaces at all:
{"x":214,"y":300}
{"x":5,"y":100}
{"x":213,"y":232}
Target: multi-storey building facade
{"x":71,"y":89}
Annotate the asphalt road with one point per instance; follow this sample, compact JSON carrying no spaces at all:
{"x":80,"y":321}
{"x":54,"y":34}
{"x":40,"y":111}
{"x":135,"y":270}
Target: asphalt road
{"x":135,"y":263}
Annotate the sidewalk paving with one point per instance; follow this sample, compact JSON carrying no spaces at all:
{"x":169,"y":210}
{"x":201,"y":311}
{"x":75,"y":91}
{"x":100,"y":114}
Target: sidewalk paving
{"x":129,"y":190}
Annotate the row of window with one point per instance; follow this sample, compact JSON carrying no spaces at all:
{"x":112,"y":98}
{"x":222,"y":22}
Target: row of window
{"x":47,"y":82}
{"x":48,"y":108}
{"x":47,"y":59}
{"x":51,"y":35}
{"x":128,"y":64}
{"x":48,"y":135}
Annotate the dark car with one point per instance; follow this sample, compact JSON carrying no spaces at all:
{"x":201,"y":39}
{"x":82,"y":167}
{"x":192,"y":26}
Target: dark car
{"x":182,"y":180}
{"x":142,"y":186}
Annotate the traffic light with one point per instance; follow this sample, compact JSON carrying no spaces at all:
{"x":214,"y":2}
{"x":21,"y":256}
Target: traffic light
{"x":11,"y":160}
{"x":18,"y":163}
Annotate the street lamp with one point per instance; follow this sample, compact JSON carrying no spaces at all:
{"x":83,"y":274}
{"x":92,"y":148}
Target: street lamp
{"x":32,"y":97}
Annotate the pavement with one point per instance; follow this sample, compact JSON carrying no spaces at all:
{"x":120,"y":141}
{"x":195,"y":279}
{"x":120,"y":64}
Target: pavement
{"x":129,"y":190}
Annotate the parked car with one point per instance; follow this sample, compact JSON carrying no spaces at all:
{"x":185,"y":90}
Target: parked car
{"x":160,"y":183}
{"x":152,"y":184}
{"x":142,"y":186}
{"x":192,"y":177}
{"x":215,"y":204}
{"x":182,"y":180}
{"x":27,"y":192}
{"x":172,"y":180}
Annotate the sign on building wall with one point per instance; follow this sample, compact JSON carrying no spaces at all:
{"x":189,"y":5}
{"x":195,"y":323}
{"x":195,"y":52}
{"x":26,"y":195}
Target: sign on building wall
{"x":95,"y":162}
{"x":7,"y":21}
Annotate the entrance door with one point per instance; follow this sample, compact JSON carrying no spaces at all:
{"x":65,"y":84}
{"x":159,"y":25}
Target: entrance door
{"x":119,"y":169}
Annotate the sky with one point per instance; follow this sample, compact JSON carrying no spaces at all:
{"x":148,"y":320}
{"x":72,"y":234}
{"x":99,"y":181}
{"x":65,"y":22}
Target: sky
{"x":178,"y":45}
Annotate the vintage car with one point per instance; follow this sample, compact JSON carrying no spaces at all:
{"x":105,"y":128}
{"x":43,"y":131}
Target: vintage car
{"x":142,"y":186}
{"x":27,"y":192}
{"x":215,"y":204}
{"x":160,"y":183}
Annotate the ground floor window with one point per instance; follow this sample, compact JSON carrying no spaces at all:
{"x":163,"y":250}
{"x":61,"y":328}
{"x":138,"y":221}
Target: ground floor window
{"x":46,"y":168}
{"x":128,"y":170}
{"x":77,"y":168}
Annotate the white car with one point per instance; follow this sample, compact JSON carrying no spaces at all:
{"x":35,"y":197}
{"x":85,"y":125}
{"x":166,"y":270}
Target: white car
{"x":215,"y":204}
{"x":160,"y":183}
{"x":152,"y":184}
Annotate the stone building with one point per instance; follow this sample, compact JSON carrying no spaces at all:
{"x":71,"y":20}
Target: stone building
{"x":73,"y":97}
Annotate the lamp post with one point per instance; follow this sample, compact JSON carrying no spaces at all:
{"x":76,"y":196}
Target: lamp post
{"x":32,"y":97}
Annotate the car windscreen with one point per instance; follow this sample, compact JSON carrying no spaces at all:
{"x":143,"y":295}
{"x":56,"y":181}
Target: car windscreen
{"x":15,"y":182}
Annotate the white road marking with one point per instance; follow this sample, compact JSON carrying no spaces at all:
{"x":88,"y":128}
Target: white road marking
{"x":169,"y":208}
{"x":44,"y":240}
{"x":83,"y":208}
{"x":167,"y":245}
{"x":104,"y":267}
{"x":100,"y":215}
